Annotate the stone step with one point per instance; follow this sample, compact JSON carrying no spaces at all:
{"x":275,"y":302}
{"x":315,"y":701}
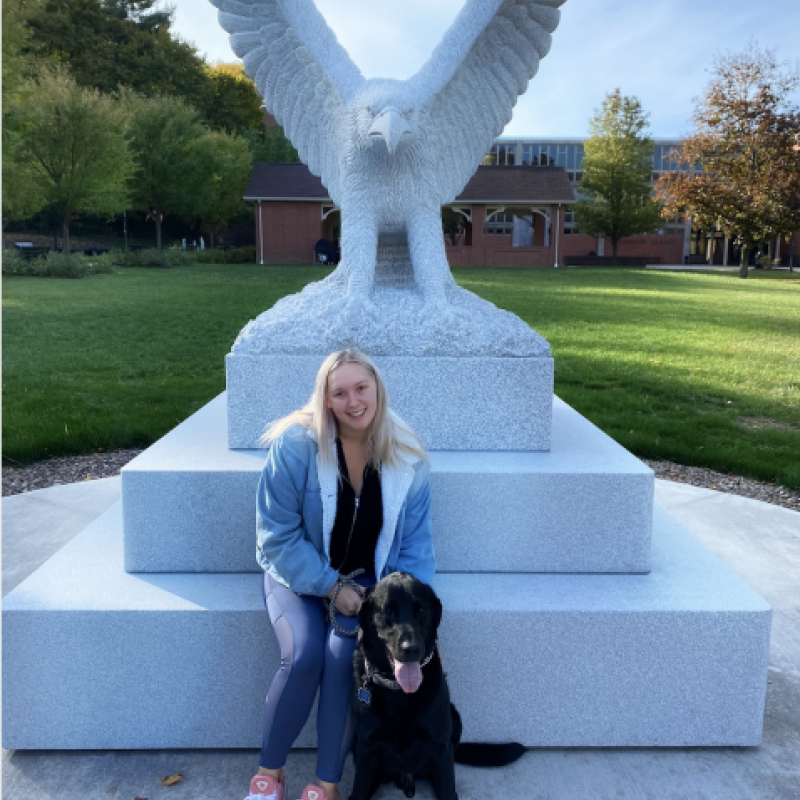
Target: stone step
{"x":466,"y":403}
{"x":585,"y":506}
{"x":98,"y":658}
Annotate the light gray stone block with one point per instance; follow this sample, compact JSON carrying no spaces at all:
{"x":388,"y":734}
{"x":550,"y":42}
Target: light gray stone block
{"x":94,"y":657}
{"x":479,"y":403}
{"x":585,"y":506}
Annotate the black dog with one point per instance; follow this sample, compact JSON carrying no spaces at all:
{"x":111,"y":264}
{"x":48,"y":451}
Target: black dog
{"x":406,"y":726}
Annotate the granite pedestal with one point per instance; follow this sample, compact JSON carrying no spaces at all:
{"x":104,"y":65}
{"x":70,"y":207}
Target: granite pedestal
{"x":98,"y":658}
{"x":468,"y":403}
{"x":584,"y":506}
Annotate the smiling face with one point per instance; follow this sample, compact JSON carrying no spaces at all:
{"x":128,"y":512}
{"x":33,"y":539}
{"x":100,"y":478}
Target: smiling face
{"x":352,"y":396}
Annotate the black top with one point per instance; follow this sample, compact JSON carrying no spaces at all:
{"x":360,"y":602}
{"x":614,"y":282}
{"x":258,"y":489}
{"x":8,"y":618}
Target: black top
{"x":358,"y":520}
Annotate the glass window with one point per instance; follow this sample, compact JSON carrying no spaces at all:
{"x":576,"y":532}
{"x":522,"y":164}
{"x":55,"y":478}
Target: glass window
{"x":571,"y":157}
{"x":526,"y":154}
{"x":561,"y":156}
{"x":578,"y":158}
{"x":504,"y":154}
{"x":499,"y":224}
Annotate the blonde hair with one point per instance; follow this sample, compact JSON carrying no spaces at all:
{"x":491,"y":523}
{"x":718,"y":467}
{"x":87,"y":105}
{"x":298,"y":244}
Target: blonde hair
{"x":388,"y":435}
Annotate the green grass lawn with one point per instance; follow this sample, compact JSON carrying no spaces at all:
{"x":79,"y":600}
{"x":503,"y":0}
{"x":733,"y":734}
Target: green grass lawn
{"x":701,"y":369}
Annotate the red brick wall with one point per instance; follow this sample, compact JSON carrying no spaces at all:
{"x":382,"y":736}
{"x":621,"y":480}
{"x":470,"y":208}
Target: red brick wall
{"x":668,"y":247}
{"x":489,"y":250}
{"x":290,"y":232}
{"x":292,"y":229}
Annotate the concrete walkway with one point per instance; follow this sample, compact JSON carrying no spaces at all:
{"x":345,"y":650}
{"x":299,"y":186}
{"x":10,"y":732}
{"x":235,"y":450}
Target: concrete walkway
{"x":758,"y":541}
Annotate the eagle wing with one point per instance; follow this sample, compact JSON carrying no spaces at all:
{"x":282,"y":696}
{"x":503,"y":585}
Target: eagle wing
{"x":304,"y":75}
{"x":470,"y":85}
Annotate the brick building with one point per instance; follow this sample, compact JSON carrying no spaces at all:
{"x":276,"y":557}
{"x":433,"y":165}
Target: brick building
{"x":514,"y":212}
{"x":512,"y":218}
{"x":698,"y":246}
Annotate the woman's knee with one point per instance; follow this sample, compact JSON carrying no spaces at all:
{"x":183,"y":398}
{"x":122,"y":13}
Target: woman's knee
{"x":306,"y":662}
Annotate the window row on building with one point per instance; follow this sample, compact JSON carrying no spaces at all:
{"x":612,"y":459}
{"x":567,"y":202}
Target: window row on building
{"x":569,"y":155}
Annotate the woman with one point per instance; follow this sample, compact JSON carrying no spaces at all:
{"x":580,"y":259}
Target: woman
{"x":344,"y":489}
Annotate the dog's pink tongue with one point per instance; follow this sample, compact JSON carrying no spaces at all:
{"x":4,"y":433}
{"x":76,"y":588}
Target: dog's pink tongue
{"x":409,"y":676}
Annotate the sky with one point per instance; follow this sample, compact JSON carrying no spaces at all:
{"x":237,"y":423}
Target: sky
{"x":656,"y":50}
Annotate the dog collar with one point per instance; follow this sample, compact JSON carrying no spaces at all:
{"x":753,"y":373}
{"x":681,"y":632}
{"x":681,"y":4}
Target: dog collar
{"x":388,"y":683}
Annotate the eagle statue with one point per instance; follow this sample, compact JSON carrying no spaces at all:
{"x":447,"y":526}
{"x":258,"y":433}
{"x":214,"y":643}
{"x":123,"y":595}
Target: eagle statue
{"x":390,"y":152}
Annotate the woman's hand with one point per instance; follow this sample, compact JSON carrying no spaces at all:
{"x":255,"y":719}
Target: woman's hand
{"x":349,"y":600}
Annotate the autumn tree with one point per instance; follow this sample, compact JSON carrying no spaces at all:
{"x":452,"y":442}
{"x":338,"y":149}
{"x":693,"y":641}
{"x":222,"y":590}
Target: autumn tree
{"x":226,"y":164}
{"x":71,"y":148}
{"x":615,"y":194}
{"x":168,"y":176}
{"x":742,"y":171}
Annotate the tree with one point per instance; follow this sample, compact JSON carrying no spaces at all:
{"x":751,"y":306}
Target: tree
{"x":270,"y":144}
{"x":169,"y":176}
{"x":71,"y":148}
{"x":615,"y":190}
{"x":742,"y":172}
{"x":227,"y":164}
{"x":232,"y":102}
{"x":108,"y":44}
{"x":21,"y":198}
{"x":18,"y":64}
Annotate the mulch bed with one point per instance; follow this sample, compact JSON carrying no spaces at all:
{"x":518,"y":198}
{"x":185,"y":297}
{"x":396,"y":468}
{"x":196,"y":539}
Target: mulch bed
{"x":72,"y":469}
{"x":730,"y":484}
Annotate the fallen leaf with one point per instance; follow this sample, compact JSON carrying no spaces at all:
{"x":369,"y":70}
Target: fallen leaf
{"x":171,"y":780}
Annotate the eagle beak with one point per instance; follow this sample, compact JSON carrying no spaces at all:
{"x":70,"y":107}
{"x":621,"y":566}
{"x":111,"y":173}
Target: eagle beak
{"x":391,"y":126}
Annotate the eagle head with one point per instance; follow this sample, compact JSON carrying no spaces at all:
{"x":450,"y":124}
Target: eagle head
{"x":385,"y":115}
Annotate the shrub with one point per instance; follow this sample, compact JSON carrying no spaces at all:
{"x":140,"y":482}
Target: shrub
{"x":15,"y":264}
{"x":150,"y":259}
{"x":55,"y":265}
{"x":236,"y":255}
{"x":59,"y":265}
{"x":176,"y":257}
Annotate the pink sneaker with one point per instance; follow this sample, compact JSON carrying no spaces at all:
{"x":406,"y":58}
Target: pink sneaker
{"x":312,"y":792}
{"x":265,"y":787}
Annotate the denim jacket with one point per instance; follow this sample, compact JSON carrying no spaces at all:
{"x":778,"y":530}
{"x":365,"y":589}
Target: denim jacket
{"x":296,"y":509}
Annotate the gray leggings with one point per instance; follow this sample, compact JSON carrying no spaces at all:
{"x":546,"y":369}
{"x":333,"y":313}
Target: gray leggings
{"x":313,"y":656}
